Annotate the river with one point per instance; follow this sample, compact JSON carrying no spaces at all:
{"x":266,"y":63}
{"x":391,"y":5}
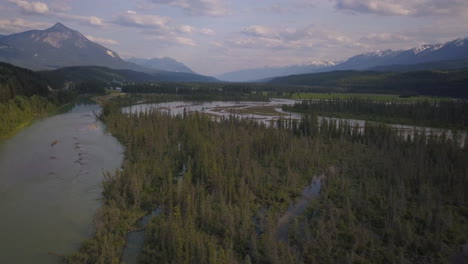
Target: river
{"x":270,"y":112}
{"x":50,"y":185}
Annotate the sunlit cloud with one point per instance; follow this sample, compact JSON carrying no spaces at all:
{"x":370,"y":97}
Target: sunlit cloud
{"x":404,"y":7}
{"x":102,"y":41}
{"x":17,"y":25}
{"x":31,"y":7}
{"x":197,"y":7}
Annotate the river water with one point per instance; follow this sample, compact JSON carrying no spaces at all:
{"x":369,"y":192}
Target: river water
{"x":50,"y":185}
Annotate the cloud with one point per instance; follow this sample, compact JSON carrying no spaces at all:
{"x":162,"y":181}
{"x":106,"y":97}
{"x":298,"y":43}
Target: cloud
{"x":171,"y":39}
{"x":84,"y":20}
{"x":185,"y":41}
{"x":258,"y":36}
{"x":404,"y":7}
{"x":31,"y":7}
{"x":295,"y":6}
{"x":197,"y":7}
{"x":378,"y":38}
{"x":151,"y":24}
{"x":132,"y":19}
{"x":163,"y":29}
{"x":207,"y":32}
{"x":57,"y":11}
{"x":186,"y":29}
{"x":18,"y":25}
{"x":102,"y":40}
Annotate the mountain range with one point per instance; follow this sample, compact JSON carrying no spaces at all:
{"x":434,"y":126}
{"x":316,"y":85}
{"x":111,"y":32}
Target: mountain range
{"x":453,"y":54}
{"x":59,"y":47}
{"x":257,"y":74}
{"x":453,"y":50}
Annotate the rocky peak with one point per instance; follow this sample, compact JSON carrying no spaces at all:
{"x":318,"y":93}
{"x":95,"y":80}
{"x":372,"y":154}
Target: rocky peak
{"x":58,"y":27}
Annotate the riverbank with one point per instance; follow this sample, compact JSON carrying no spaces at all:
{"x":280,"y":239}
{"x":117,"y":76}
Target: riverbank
{"x":53,"y":170}
{"x":19,"y":114}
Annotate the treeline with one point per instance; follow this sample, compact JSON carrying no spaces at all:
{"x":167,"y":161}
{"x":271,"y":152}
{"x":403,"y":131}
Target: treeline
{"x":222,"y":186}
{"x":15,"y":81}
{"x":391,"y":202}
{"x":25,"y":94}
{"x":434,"y":113}
{"x":21,"y":110}
{"x":197,"y":91}
{"x":221,"y":90}
{"x":434,"y":83}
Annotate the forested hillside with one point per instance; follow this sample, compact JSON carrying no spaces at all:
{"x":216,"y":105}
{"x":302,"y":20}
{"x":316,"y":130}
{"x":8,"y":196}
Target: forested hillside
{"x":15,"y":81}
{"x":434,"y":83}
{"x":104,"y":74}
{"x":25,"y":95}
{"x":222,"y":187}
{"x":22,"y":96}
{"x":434,"y":113}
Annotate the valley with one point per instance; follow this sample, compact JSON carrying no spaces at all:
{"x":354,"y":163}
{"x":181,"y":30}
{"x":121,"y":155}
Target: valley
{"x":138,"y":158}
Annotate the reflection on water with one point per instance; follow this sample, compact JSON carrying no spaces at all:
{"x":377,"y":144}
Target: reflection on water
{"x":221,"y":109}
{"x":50,"y":185}
{"x":296,"y":209}
{"x":135,"y":240}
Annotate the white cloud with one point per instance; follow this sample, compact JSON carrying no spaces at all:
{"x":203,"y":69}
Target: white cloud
{"x":171,"y":39}
{"x":85,"y":20}
{"x":102,"y":40}
{"x":31,"y":7}
{"x":132,"y":19}
{"x":185,"y":41}
{"x":257,"y":36}
{"x":197,"y":7}
{"x":40,"y":8}
{"x":384,"y":38}
{"x":167,"y":29}
{"x":186,"y":29}
{"x":18,"y":25}
{"x":207,"y":32}
{"x":405,"y":7}
{"x":163,"y":29}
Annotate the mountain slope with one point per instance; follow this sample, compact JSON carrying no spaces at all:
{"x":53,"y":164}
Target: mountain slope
{"x":57,"y":47}
{"x":427,"y":57}
{"x":164,"y":64}
{"x":270,"y":72}
{"x":16,"y":81}
{"x":79,"y":74}
{"x":435,"y":83}
{"x":453,"y":50}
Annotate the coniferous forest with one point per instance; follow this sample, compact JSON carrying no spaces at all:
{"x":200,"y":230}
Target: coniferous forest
{"x":434,"y":113}
{"x":223,"y":186}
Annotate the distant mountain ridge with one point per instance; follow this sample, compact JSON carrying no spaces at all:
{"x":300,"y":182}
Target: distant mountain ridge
{"x":59,"y":47}
{"x":453,"y":50}
{"x":257,"y":74}
{"x":423,"y":57}
{"x":79,"y":74}
{"x":165,"y":64}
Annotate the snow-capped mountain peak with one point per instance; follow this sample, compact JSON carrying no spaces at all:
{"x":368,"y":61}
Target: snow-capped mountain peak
{"x":382,"y":53}
{"x":460,"y":42}
{"x":319,"y":63}
{"x":431,"y":47}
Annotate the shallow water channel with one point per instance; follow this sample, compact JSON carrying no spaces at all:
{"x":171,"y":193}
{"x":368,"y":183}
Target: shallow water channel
{"x":50,"y":185}
{"x":269,"y":112}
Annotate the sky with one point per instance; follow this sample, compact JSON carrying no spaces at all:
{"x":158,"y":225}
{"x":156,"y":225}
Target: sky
{"x":218,"y":36}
